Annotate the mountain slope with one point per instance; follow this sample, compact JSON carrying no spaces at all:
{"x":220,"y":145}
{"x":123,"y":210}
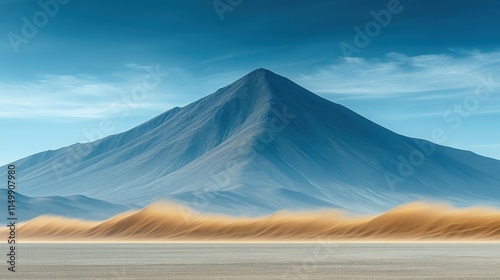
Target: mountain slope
{"x":259,"y":145}
{"x":76,"y":206}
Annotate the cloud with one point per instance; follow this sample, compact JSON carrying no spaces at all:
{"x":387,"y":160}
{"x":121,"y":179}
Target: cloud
{"x":432,"y":76}
{"x":76,"y":96}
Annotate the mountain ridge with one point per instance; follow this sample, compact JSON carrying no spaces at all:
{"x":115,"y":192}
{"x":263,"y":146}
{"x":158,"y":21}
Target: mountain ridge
{"x":75,"y":206}
{"x":258,"y":145}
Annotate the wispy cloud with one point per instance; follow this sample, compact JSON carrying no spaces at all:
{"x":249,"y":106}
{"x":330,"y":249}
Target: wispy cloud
{"x":432,"y":76}
{"x":72,"y":96}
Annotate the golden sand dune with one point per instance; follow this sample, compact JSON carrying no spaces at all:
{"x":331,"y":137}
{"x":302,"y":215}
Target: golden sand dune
{"x":168,"y":222}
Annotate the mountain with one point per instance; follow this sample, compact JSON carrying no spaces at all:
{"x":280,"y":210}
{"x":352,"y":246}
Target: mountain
{"x":260,"y":145}
{"x":76,"y":206}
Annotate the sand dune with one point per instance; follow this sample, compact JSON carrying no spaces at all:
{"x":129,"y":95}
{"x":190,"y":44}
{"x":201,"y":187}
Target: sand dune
{"x":169,"y":222}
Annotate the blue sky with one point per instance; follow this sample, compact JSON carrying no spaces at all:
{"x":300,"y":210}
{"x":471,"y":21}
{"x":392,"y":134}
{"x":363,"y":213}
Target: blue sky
{"x":433,"y":65}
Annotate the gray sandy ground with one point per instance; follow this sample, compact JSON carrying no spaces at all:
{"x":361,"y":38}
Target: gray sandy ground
{"x":256,"y":261}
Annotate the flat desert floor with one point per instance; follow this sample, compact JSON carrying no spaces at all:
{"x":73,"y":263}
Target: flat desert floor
{"x":257,"y":261}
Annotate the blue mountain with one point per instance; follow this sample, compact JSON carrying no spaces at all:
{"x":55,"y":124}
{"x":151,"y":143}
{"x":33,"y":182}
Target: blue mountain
{"x":260,"y":145}
{"x":75,"y":206}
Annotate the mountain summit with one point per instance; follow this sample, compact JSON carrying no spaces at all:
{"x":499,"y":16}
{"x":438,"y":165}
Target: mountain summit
{"x":260,"y":145}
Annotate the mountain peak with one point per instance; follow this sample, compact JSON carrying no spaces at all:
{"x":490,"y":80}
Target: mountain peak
{"x":265,"y":83}
{"x":258,"y":84}
{"x":260,"y":74}
{"x":259,"y":145}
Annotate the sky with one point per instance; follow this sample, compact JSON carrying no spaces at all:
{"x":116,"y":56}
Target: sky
{"x":78,"y":70}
